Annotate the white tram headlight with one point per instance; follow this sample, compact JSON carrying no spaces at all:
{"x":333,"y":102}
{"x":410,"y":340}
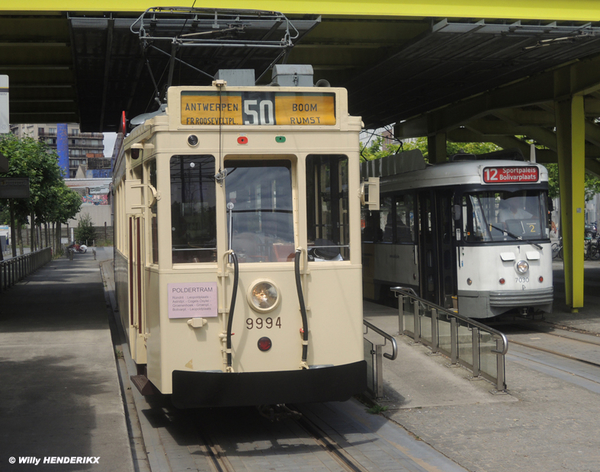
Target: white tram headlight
{"x":522,"y":267}
{"x":263,"y":296}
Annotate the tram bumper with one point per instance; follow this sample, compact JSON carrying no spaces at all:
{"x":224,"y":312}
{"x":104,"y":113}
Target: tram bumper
{"x":489,"y":304}
{"x":211,"y":389}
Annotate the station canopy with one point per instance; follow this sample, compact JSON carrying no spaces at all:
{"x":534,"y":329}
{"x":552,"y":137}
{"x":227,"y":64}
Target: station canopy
{"x":68,"y":67}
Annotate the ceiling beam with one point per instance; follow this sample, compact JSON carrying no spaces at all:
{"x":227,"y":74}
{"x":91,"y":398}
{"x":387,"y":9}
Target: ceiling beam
{"x":581,"y":77}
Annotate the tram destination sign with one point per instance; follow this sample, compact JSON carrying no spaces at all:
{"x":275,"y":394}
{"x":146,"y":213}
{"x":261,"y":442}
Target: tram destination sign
{"x":510,"y":175}
{"x":257,"y":108}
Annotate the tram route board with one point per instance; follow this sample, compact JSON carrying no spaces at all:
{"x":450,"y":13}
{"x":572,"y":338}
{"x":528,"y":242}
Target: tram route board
{"x":257,"y":108}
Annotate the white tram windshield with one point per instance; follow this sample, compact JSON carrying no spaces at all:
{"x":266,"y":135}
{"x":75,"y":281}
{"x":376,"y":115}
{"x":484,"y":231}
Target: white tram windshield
{"x":495,"y":215}
{"x":259,"y":195}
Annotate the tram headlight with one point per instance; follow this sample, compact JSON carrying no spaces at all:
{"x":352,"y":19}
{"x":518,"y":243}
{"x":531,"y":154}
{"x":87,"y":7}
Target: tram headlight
{"x":522,"y":267}
{"x":193,"y":140}
{"x":263,"y":296}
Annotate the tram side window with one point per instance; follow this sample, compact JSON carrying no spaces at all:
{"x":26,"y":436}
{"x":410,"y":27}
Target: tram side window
{"x":259,"y":199}
{"x":153,"y":214}
{"x":327,"y":207}
{"x":193,"y":209}
{"x":386,"y":220}
{"x":393,"y":223}
{"x":405,"y":223}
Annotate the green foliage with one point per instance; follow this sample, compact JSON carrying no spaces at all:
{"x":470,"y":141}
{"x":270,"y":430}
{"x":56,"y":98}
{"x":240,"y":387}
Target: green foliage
{"x":592,"y":184}
{"x":376,"y":149}
{"x":85,"y":231}
{"x":377,"y":409}
{"x":50,"y":199}
{"x":553,"y":189}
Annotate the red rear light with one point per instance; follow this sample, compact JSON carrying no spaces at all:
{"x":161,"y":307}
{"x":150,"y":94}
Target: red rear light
{"x":502,"y":281}
{"x":264,"y":344}
{"x":541,"y":279}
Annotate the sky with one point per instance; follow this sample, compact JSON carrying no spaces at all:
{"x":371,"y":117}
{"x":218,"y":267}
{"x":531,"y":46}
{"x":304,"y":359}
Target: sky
{"x":109,"y":143}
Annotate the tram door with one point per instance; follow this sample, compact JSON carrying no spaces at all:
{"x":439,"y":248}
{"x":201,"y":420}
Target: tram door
{"x":429,"y":283}
{"x":136,"y":287}
{"x":436,"y":251}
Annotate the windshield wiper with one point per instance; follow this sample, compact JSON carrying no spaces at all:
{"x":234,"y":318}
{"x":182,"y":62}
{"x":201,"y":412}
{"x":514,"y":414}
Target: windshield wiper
{"x":514,"y":236}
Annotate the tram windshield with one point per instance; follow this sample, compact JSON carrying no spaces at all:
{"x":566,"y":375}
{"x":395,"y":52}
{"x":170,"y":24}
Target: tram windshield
{"x":259,"y":197}
{"x":505,"y":216}
{"x":193,"y":209}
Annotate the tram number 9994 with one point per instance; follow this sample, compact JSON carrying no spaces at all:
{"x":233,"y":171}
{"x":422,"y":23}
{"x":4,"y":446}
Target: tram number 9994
{"x":267,"y":323}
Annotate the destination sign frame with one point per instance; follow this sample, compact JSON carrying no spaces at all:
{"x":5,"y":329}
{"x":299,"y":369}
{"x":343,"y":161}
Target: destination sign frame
{"x":510,"y":174}
{"x":258,"y":108}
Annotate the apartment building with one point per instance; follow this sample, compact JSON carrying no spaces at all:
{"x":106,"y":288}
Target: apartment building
{"x":85,"y":151}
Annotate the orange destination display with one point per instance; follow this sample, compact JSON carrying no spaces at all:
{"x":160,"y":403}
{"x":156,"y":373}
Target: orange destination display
{"x":257,"y":108}
{"x":509,"y":175}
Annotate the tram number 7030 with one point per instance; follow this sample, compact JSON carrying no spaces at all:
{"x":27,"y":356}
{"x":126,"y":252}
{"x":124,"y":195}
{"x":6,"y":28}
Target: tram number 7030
{"x":259,"y":323}
{"x":259,"y":112}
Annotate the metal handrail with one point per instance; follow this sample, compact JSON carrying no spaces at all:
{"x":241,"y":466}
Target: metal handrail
{"x":17,"y":268}
{"x":410,"y":292}
{"x":475,"y":326}
{"x":379,"y":355}
{"x":387,"y":337}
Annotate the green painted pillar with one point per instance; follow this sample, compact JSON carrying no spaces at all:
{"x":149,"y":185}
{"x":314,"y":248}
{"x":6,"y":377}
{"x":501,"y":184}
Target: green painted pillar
{"x":570,"y":131}
{"x":436,"y":147}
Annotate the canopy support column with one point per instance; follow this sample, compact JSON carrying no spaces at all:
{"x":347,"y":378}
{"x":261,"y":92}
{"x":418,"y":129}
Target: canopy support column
{"x":570,"y":124}
{"x":436,"y":147}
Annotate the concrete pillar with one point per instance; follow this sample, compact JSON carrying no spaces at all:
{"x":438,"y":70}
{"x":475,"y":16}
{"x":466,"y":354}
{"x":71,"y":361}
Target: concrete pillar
{"x":570,"y":131}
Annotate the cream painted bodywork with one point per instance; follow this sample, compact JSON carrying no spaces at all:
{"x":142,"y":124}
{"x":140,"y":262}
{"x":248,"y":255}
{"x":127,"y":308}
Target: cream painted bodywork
{"x":332,"y":290}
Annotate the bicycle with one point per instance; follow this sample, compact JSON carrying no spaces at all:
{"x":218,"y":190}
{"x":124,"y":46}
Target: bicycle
{"x":591,"y":249}
{"x":557,"y":250}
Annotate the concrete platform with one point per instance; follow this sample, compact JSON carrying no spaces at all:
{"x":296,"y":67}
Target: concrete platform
{"x":60,"y":398}
{"x":546,"y":422}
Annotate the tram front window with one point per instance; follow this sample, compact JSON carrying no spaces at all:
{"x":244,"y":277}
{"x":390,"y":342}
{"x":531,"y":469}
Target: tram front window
{"x":503,"y":215}
{"x":327,"y":207}
{"x":259,"y":196}
{"x":193,"y":209}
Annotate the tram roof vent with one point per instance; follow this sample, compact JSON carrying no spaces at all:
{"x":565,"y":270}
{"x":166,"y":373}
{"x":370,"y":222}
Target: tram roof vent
{"x":293,"y":75}
{"x":394,"y":164}
{"x":236,"y":77}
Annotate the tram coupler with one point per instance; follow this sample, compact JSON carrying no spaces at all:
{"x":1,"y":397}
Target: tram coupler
{"x":278,"y":412}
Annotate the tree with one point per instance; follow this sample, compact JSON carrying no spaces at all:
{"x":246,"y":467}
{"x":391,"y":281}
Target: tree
{"x":50,"y":200}
{"x":592,"y":184}
{"x":377,"y":150}
{"x":85,"y":232}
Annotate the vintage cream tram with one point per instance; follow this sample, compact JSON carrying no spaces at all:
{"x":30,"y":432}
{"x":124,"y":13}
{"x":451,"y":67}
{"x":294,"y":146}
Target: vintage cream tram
{"x":238,"y":251}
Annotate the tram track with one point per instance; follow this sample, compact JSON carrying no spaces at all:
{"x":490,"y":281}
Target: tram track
{"x":214,"y":454}
{"x":556,"y":353}
{"x":571,"y":355}
{"x":215,"y":443}
{"x":332,"y":447}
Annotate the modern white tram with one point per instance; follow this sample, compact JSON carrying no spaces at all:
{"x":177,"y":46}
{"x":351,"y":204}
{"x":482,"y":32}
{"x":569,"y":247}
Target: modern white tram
{"x":470,"y":234}
{"x":238,"y":246}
